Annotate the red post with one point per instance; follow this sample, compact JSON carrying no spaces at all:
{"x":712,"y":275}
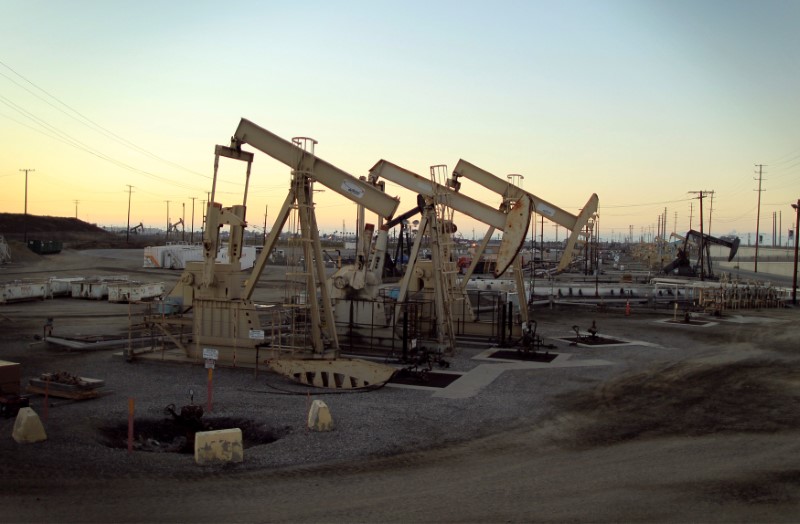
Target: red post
{"x":46,"y":397}
{"x":130,"y":425}
{"x":210,"y":388}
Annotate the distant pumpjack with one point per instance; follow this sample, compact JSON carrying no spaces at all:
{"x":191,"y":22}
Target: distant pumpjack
{"x":683,"y":263}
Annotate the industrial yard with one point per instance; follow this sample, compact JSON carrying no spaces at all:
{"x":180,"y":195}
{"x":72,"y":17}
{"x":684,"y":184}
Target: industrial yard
{"x":673,"y":422}
{"x":400,"y":262}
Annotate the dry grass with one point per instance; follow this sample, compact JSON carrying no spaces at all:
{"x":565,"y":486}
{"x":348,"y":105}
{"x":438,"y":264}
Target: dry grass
{"x":688,"y":399}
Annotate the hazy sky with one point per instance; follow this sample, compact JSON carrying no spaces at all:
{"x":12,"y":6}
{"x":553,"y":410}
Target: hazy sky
{"x":641,"y":102}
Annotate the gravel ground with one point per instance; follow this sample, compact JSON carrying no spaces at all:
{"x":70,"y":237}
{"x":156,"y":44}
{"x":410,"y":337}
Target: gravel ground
{"x":373,"y":423}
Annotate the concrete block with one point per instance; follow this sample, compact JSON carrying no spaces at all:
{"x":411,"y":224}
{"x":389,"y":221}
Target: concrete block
{"x":28,"y":427}
{"x":319,"y":417}
{"x":9,"y":377}
{"x":222,"y":445}
{"x":9,"y":388}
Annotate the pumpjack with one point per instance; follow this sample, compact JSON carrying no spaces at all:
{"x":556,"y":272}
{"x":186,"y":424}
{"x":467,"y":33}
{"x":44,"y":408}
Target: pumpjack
{"x":437,"y":202}
{"x":354,"y":288}
{"x":216,"y":298}
{"x":702,"y":243}
{"x":511,"y":193}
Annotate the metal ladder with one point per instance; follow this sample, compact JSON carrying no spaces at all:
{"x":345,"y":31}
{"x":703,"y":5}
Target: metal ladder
{"x":315,"y":320}
{"x":445,"y":272}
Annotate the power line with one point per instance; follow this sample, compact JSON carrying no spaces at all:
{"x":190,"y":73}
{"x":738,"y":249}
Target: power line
{"x":67,"y":139}
{"x":646,"y":204}
{"x":788,"y":157}
{"x":54,"y":133}
{"x":91,"y":124}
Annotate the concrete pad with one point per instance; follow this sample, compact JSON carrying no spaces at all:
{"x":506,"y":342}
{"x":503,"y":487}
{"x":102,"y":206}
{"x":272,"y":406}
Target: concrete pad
{"x":741,"y":319}
{"x":222,"y":445}
{"x":472,"y":382}
{"x":319,"y":417}
{"x":487,"y":357}
{"x":701,"y":323}
{"x":28,"y":427}
{"x":484,"y":374}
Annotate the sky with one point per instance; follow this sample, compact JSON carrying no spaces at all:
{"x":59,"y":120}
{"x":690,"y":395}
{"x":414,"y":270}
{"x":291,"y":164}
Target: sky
{"x":643,"y":102}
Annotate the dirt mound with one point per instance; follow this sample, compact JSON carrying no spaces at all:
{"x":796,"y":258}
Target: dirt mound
{"x":20,"y":253}
{"x":14,"y":226}
{"x":688,"y":399}
{"x":74,"y":233}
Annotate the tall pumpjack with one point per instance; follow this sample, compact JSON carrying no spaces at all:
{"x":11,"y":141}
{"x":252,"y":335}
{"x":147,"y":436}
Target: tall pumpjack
{"x":511,"y":193}
{"x":435,"y":197}
{"x":219,"y":297}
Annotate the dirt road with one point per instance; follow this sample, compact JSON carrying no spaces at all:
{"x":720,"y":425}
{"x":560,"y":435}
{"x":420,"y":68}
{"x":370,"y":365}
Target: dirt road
{"x":516,"y":476}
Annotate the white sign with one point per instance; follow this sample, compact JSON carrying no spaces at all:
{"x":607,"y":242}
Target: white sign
{"x":210,"y":363}
{"x":209,"y":353}
{"x":352,"y":188}
{"x":545,"y":210}
{"x":257,"y":334}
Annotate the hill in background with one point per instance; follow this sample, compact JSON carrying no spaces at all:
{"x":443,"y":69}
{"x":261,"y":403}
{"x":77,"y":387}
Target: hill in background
{"x":74,"y":233}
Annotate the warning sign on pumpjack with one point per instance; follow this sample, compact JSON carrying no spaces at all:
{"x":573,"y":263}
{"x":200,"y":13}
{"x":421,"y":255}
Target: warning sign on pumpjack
{"x":353,"y":189}
{"x":257,"y":334}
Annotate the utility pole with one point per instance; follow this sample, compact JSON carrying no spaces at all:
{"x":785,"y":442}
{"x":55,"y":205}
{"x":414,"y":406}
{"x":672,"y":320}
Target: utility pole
{"x":702,"y":241}
{"x":794,"y":273}
{"x":774,"y":221}
{"x":183,"y":222}
{"x":166,"y":237}
{"x":204,"y":207}
{"x":691,"y":213}
{"x":658,"y":229}
{"x":76,"y":207}
{"x":758,"y":213}
{"x":266,"y":209}
{"x":702,"y":236}
{"x":533,"y":256}
{"x":128,"y":231}
{"x":26,"y":202}
{"x":587,"y":247}
{"x":192,"y":237}
{"x":710,"y":211}
{"x":541,"y":237}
